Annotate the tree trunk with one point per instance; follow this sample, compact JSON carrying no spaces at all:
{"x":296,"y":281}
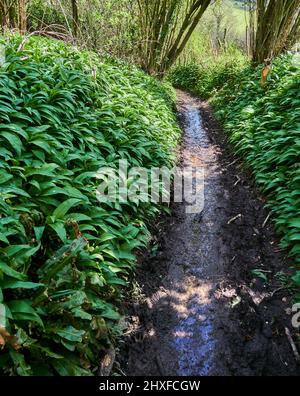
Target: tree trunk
{"x":6,"y":14}
{"x":3,"y":17}
{"x":278,"y":27}
{"x":251,"y":7}
{"x":22,"y":16}
{"x":75,"y":17}
{"x":165,"y":27}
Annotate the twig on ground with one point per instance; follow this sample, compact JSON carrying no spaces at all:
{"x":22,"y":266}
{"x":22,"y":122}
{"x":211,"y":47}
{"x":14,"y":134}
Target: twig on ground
{"x":277,"y":349}
{"x":266,"y":220}
{"x":238,"y":180}
{"x":277,"y":290}
{"x":234,"y":218}
{"x":291,"y":341}
{"x":233,"y":162}
{"x":277,"y":250}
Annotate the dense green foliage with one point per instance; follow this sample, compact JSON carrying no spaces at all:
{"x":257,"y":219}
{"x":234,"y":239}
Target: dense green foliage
{"x":65,"y":258}
{"x":264,"y":125}
{"x":107,"y":26}
{"x":41,"y":14}
{"x":206,"y":78}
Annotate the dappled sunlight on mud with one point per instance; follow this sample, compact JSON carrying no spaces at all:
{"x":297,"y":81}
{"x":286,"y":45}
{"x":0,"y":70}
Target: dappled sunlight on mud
{"x":193,"y":332}
{"x":205,"y":314}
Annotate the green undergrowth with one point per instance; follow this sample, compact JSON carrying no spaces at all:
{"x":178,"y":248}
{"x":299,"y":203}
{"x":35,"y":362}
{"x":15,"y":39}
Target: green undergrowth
{"x":263,"y":124}
{"x":208,"y":76}
{"x":64,"y":257}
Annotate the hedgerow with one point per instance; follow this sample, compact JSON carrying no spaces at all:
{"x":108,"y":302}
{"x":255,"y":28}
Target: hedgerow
{"x":264,"y":126}
{"x":64,"y":257}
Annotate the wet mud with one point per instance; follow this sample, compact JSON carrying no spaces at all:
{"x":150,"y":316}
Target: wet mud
{"x":202,"y":310}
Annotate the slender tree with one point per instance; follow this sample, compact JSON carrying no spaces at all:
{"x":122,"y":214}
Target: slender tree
{"x":278,"y":27}
{"x":3,"y":14}
{"x":250,"y":28}
{"x":8,"y":13}
{"x":22,"y":15}
{"x":75,"y":17}
{"x":165,"y":28}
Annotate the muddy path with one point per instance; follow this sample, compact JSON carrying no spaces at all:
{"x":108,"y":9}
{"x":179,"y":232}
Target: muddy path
{"x":203,"y":312}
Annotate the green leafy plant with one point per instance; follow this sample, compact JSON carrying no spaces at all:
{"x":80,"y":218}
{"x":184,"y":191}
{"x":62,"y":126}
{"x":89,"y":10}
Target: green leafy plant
{"x":210,"y":75}
{"x":260,"y":274}
{"x":65,"y":258}
{"x":264,"y":124}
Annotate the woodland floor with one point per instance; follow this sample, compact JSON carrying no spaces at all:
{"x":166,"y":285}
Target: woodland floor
{"x":201,"y":310}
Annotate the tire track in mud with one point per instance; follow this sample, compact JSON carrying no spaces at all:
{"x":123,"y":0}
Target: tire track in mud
{"x":202,"y":312}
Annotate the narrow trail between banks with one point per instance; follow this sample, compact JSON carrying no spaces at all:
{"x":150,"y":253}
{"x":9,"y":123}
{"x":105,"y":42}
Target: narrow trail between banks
{"x":203,"y":311}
